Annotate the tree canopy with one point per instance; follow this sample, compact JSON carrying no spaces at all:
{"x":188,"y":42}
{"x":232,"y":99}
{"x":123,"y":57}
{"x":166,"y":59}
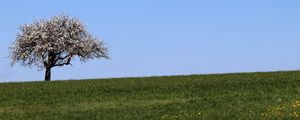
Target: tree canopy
{"x":55,"y":42}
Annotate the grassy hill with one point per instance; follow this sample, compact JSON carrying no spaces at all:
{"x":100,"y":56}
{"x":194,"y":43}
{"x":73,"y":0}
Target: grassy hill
{"x":273,"y":95}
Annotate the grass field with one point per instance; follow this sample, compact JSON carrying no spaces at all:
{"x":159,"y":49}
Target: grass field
{"x":272,"y":95}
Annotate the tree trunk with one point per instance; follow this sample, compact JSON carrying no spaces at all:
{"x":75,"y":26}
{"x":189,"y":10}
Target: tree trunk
{"x":48,"y":74}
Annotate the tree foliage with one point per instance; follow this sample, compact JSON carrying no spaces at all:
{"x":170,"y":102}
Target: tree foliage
{"x":55,"y":42}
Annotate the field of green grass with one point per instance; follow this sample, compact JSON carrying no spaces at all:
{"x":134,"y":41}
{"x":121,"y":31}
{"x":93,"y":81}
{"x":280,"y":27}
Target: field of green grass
{"x":272,"y":95}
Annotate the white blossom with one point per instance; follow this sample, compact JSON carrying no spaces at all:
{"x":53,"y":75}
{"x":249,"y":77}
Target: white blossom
{"x":55,"y":42}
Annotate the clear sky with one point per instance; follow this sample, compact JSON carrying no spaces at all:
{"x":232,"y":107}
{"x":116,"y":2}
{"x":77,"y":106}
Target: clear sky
{"x":166,"y":37}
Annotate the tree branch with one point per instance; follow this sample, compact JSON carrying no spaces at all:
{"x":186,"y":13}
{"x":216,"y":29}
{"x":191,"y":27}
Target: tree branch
{"x":68,"y":60}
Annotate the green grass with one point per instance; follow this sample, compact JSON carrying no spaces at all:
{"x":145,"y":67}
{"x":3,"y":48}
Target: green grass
{"x":273,"y":95}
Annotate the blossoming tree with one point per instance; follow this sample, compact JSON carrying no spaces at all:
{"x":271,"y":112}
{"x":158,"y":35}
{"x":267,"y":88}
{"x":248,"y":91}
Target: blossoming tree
{"x":55,"y":42}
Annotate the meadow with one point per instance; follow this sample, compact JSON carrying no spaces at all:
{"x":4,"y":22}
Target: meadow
{"x":253,"y":96}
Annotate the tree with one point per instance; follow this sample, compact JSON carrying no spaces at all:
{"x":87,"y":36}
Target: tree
{"x":55,"y":42}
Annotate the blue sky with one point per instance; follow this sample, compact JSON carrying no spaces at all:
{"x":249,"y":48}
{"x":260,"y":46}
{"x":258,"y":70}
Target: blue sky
{"x":166,"y":37}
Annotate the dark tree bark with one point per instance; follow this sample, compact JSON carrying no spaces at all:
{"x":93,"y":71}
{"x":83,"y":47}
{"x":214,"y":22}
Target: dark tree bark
{"x":48,"y":66}
{"x":48,"y":74}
